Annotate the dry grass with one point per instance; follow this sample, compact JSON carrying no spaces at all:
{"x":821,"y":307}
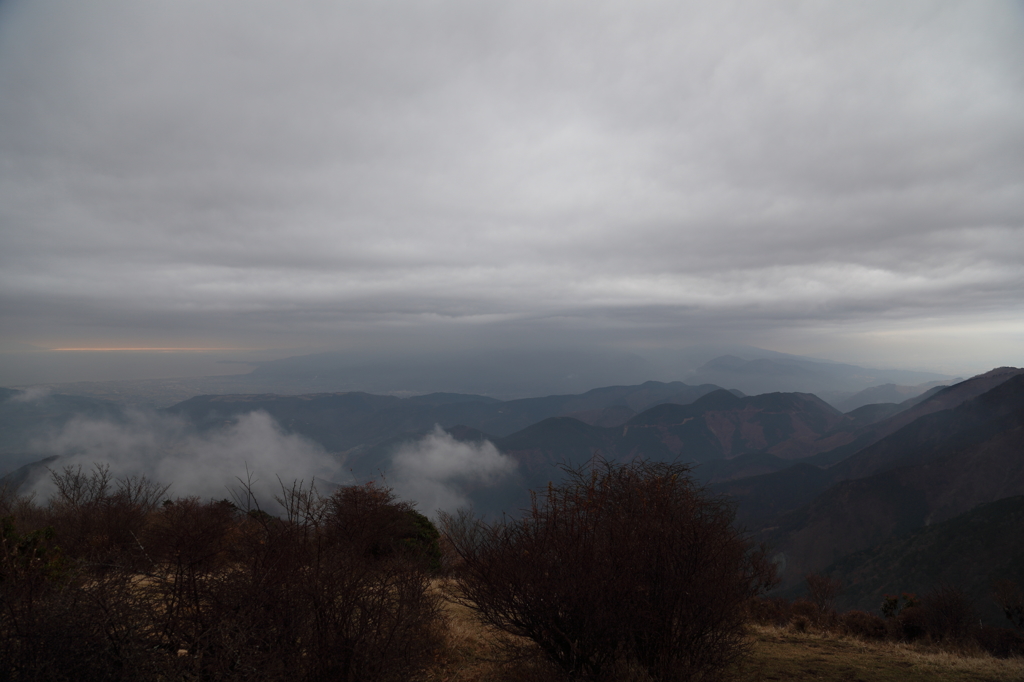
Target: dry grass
{"x":782,"y":654}
{"x":474,"y":654}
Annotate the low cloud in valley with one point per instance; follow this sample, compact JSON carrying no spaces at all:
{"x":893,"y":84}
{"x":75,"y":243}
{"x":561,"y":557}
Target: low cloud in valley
{"x":210,"y":464}
{"x":437,"y":470}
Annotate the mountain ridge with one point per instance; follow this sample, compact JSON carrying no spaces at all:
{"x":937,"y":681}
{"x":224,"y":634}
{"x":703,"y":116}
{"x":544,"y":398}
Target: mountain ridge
{"x":948,"y":462}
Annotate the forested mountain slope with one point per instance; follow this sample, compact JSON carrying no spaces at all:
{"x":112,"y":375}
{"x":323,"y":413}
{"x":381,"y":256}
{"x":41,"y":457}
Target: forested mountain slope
{"x":933,"y":469}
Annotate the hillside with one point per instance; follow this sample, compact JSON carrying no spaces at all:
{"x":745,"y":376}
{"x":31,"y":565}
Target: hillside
{"x":342,"y":421}
{"x":970,"y":551}
{"x":935,"y":468}
{"x":879,"y":437}
{"x":725,"y":434}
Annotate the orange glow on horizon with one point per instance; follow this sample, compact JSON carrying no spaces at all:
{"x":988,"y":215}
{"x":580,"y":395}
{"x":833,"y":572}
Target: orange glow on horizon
{"x":147,"y":348}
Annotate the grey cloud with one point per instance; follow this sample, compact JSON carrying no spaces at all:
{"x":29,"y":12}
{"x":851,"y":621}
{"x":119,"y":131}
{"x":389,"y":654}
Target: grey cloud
{"x":257,"y":170}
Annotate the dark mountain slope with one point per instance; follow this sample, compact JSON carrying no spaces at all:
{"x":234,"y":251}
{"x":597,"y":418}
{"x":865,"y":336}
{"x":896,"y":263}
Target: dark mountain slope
{"x":943,"y":399}
{"x":741,"y":467}
{"x":437,"y":399}
{"x":970,"y":421}
{"x":513,"y":415}
{"x":934,"y":400}
{"x":718,"y":427}
{"x":721,"y":425}
{"x":768,"y":495}
{"x":977,"y":456}
{"x":544,"y":446}
{"x":28,"y":474}
{"x":343,"y":421}
{"x":865,"y":415}
{"x":970,"y":551}
{"x":872,"y":446}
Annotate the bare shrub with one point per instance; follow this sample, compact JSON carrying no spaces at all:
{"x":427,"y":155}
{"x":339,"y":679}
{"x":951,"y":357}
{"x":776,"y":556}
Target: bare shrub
{"x":623,"y":566}
{"x":769,"y":611}
{"x":100,"y":519}
{"x":904,"y":619}
{"x":205,"y":590}
{"x":893,"y":605}
{"x":1000,"y":642}
{"x":59,"y":623}
{"x":822,"y":591}
{"x":864,"y":625}
{"x":1010,"y":598}
{"x":313,"y":596}
{"x":371,"y":521}
{"x":948,"y":614}
{"x":909,"y":625}
{"x":805,"y":609}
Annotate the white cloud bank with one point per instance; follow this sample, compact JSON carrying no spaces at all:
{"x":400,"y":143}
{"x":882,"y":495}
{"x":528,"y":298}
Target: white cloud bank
{"x":210,"y":464}
{"x":437,"y":470}
{"x":32,"y":394}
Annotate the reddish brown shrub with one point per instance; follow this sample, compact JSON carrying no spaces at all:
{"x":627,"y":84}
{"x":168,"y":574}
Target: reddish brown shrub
{"x":1010,"y":598}
{"x":1000,"y":642}
{"x":623,"y":566}
{"x":59,"y":622}
{"x":864,"y":625}
{"x":325,"y":593}
{"x":800,"y":623}
{"x":822,"y":591}
{"x":806,"y":609}
{"x":948,"y":614}
{"x":908,"y":626}
{"x":99,"y":519}
{"x":769,"y":611}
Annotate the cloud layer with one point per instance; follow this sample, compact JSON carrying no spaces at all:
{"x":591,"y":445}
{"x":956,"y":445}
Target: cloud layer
{"x":435,"y":472}
{"x":253,"y":450}
{"x":312,"y":173}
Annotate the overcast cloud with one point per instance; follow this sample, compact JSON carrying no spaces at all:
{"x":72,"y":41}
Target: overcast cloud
{"x":840,"y":179}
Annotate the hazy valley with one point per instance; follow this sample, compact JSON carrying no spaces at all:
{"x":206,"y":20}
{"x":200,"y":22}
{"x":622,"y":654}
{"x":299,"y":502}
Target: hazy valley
{"x":822,"y":487}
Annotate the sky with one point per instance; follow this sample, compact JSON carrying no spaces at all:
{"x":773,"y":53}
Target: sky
{"x":254,"y":179}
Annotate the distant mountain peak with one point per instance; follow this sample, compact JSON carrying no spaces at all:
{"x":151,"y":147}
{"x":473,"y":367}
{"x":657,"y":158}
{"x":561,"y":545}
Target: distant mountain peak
{"x":728,"y":362}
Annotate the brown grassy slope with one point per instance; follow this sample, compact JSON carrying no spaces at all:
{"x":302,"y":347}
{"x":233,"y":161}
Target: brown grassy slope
{"x":473,"y":655}
{"x":782,"y":654}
